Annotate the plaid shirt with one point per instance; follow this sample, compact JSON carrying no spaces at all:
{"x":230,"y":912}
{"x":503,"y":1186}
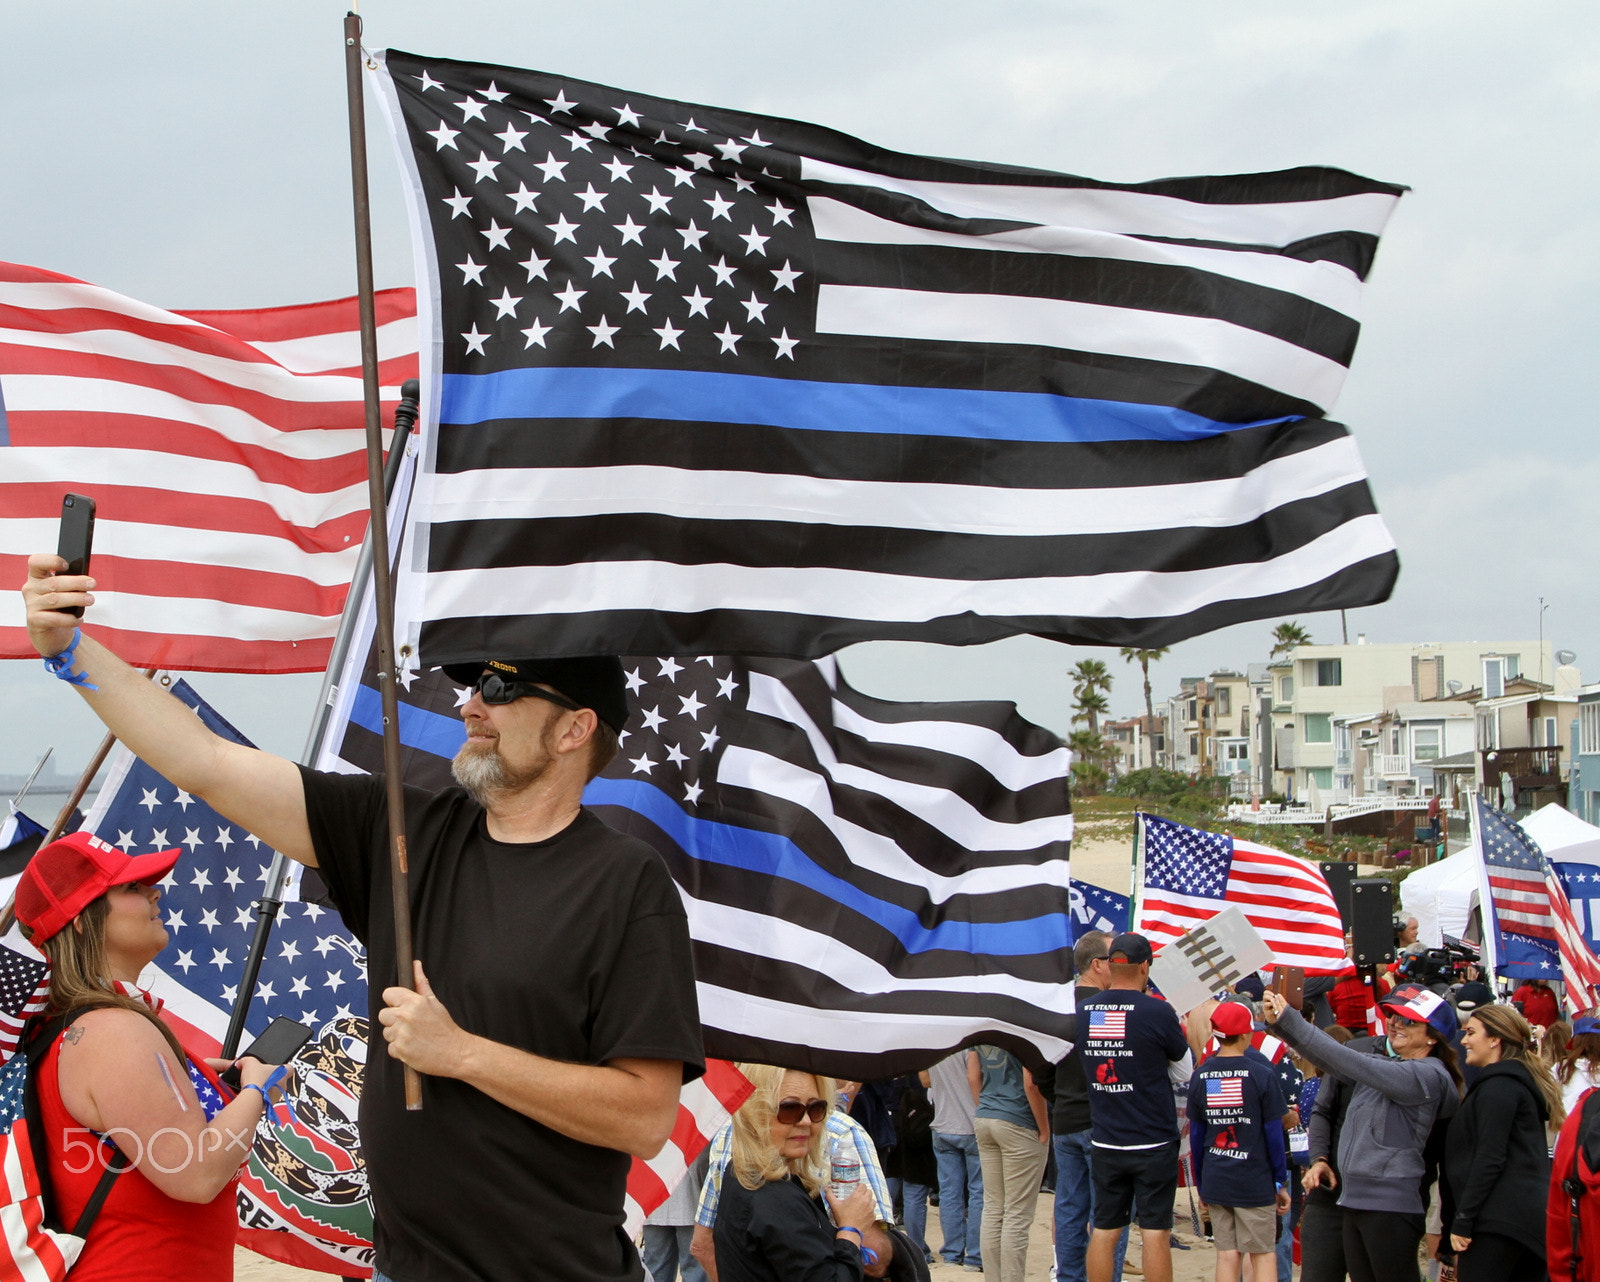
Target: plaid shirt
{"x":843,"y":1132}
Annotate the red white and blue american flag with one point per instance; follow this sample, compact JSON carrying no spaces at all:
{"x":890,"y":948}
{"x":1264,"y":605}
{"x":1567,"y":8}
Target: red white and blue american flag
{"x":1535,"y":930}
{"x":1224,"y":1092}
{"x":1105,"y":1025}
{"x":1190,"y":876}
{"x":226,"y":451}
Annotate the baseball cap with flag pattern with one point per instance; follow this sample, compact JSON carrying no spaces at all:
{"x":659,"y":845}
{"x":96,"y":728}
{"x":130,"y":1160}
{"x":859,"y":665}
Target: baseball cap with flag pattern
{"x":1422,"y":1006}
{"x":65,"y":877}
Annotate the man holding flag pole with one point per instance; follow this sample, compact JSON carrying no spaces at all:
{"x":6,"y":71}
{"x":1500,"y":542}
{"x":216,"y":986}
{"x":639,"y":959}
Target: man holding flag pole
{"x":580,"y":1067}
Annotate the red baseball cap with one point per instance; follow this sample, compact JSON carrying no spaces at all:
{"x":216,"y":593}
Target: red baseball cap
{"x":1231,"y":1018}
{"x":65,"y":877}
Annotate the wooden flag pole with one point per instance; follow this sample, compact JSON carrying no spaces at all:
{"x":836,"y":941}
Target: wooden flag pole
{"x":383,"y":592}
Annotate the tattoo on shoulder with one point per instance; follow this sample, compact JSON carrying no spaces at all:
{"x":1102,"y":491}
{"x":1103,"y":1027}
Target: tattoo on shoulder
{"x":74,"y":1034}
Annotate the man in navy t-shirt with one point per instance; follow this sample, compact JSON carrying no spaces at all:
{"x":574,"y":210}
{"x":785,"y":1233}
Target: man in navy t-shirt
{"x":1130,"y":1041}
{"x":1236,"y":1110}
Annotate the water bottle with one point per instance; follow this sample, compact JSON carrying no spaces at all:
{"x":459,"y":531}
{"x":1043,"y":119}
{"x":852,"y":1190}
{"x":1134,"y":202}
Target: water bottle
{"x":844,"y":1175}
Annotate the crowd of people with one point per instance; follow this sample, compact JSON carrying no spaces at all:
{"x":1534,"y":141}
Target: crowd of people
{"x":1368,"y":1155}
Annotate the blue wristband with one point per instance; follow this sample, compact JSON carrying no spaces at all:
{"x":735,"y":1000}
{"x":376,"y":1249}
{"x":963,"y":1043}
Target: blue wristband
{"x":850,"y":1228}
{"x":60,"y":665}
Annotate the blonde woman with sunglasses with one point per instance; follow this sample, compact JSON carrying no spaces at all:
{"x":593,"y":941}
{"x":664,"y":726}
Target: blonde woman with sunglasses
{"x":773,"y":1220}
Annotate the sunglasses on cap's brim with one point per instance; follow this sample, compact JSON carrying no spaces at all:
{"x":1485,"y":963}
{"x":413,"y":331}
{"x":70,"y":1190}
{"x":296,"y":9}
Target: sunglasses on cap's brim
{"x":496,"y":689}
{"x":792,"y":1110}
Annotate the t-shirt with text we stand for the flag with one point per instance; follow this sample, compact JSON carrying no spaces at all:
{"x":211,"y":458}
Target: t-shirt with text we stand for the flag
{"x":1129,"y":1039}
{"x":1236,"y":1110}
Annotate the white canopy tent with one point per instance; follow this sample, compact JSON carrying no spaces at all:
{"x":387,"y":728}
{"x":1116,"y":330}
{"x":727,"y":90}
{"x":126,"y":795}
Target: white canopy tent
{"x":1441,"y":897}
{"x":1564,"y":838}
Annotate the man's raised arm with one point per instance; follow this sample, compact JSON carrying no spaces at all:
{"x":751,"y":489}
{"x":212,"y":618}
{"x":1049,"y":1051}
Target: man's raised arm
{"x":255,"y":789}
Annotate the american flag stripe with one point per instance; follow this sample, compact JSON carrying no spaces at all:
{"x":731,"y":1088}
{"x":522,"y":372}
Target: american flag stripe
{"x":946,"y":316}
{"x":526,"y":493}
{"x":703,"y":1107}
{"x":225,"y":451}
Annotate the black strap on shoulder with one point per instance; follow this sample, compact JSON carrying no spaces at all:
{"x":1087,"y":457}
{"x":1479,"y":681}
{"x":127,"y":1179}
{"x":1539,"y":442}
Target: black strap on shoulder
{"x":37,"y":1039}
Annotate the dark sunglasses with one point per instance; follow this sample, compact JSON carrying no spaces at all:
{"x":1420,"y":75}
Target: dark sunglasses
{"x":496,"y":689}
{"x":792,"y":1110}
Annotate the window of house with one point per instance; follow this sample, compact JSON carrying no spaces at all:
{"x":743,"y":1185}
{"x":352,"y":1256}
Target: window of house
{"x":1494,"y":677}
{"x":1589,"y":727}
{"x":1322,"y":776}
{"x":1425,"y":743}
{"x":1194,"y":745}
{"x":1238,"y":752}
{"x":1319,"y":727}
{"x":1394,"y":741}
{"x":1544,"y":732}
{"x":1225,"y":702}
{"x":1330,"y":672}
{"x":1160,"y":741}
{"x":1286,"y":689}
{"x":1488,"y":731}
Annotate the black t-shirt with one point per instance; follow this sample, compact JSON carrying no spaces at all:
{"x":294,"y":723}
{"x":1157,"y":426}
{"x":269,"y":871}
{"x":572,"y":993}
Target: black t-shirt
{"x":575,"y":948}
{"x":1231,"y":1101}
{"x":1128,"y":1040}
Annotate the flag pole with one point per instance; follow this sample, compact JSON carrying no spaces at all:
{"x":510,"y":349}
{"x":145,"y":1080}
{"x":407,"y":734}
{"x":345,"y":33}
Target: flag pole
{"x":378,"y":526}
{"x":270,"y":904}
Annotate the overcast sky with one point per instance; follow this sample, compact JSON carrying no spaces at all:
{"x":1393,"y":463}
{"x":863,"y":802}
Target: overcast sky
{"x":195,"y":156}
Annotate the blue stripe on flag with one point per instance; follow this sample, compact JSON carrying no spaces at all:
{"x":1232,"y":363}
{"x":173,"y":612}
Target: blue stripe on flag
{"x":419,"y":728}
{"x":698,"y":396}
{"x":777,"y":856}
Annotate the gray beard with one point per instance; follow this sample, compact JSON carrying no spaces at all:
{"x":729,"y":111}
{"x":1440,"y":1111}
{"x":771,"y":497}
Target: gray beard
{"x":487,"y":778}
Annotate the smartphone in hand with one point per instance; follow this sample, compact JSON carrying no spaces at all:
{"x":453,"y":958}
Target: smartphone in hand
{"x":76,"y":539}
{"x":280,"y":1043}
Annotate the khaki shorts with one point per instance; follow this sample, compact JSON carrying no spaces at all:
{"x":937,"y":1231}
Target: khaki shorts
{"x":1251,"y":1229}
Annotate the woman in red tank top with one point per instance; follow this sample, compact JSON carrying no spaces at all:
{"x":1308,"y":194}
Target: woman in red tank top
{"x":118,"y":1077}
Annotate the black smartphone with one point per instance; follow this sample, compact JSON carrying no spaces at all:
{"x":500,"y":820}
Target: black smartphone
{"x":76,"y":539}
{"x":280,"y":1043}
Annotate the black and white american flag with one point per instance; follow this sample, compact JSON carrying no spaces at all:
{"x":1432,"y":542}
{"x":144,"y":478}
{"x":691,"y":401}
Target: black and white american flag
{"x":869,"y":884}
{"x":701,"y":381}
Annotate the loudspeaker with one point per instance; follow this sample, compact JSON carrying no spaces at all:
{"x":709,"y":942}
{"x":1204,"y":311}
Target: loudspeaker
{"x":1339,"y":876}
{"x":1372,"y":920}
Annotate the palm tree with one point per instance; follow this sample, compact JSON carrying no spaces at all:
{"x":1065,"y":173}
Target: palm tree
{"x":1288,"y":635}
{"x":1090,"y":674}
{"x":1091,"y":703}
{"x":1088,"y":766}
{"x":1144,"y":658}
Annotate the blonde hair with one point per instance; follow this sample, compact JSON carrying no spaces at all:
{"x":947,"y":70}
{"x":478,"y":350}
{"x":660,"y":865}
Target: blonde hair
{"x":754,"y":1160}
{"x":80,"y":973}
{"x":1516,"y":1043}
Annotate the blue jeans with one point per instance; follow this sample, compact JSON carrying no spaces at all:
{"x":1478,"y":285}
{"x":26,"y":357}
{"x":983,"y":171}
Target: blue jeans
{"x":1075,"y":1209}
{"x":960,"y":1197}
{"x":914,"y":1198}
{"x":666,"y":1253}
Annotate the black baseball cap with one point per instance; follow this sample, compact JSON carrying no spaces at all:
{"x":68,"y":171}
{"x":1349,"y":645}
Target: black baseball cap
{"x":591,"y":681}
{"x":1132,"y":949}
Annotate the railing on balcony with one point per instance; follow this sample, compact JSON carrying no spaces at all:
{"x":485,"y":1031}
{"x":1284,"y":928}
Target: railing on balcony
{"x":1527,"y":767}
{"x":1392,"y":764}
